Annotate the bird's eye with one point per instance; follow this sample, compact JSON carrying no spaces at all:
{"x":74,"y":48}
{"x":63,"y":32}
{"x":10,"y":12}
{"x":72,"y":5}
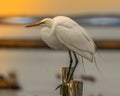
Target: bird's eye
{"x":45,"y":22}
{"x":42,"y":22}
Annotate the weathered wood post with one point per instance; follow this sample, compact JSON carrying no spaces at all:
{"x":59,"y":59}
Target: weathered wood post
{"x":73,"y":88}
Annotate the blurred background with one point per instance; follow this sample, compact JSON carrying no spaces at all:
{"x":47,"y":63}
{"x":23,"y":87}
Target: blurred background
{"x":29,"y":68}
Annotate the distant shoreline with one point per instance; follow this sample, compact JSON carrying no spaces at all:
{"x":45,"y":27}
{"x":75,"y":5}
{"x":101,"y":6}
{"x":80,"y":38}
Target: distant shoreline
{"x":26,"y":43}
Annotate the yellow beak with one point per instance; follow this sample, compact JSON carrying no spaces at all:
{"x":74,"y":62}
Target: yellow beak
{"x":34,"y":24}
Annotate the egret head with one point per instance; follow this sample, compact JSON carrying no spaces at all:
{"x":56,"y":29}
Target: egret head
{"x":47,"y":22}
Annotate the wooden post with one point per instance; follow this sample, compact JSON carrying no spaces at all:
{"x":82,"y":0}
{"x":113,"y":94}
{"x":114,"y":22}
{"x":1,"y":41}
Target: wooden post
{"x":77,"y":88}
{"x":73,"y":88}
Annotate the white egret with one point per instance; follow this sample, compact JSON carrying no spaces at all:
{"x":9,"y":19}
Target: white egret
{"x":64,"y":33}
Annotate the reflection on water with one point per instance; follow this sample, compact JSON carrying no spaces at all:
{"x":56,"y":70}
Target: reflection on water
{"x":93,"y":20}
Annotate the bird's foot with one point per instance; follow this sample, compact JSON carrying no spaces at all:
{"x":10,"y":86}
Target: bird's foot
{"x":59,"y":86}
{"x":63,"y":88}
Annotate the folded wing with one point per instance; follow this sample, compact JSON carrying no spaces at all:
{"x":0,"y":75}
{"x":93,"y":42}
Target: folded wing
{"x":76,"y":39}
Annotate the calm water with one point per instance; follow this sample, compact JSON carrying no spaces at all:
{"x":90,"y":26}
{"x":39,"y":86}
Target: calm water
{"x":37,"y":69}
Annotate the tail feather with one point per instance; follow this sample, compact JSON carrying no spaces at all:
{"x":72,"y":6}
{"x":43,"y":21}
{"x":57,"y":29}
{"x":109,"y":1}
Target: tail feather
{"x":97,"y":66}
{"x":83,"y":65}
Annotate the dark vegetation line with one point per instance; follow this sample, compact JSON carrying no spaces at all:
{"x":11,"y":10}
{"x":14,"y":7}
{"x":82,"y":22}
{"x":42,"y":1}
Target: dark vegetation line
{"x":105,"y":44}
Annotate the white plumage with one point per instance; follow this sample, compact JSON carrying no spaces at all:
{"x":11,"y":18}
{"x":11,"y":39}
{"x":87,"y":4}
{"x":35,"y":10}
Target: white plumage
{"x":64,"y":33}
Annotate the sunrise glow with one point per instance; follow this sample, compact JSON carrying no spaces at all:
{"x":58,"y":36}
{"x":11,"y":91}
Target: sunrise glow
{"x":46,"y":7}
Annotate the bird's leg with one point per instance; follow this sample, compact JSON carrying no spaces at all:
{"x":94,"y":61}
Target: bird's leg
{"x":76,"y":63}
{"x":69,"y":69}
{"x":71,"y":61}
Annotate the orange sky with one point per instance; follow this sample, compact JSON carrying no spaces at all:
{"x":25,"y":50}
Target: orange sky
{"x":54,"y":7}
